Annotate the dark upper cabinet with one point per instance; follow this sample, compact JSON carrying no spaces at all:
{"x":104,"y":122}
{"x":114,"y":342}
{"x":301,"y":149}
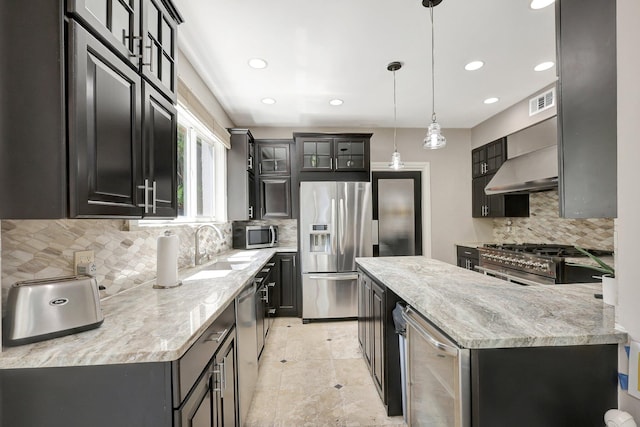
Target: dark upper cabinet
{"x":96,"y":134}
{"x":485,"y":161}
{"x":159,"y":137}
{"x":273,"y":159}
{"x":116,"y":22}
{"x":159,"y":46}
{"x":241,"y":182}
{"x":347,"y":156}
{"x":277,"y":181}
{"x":275,"y":197}
{"x":488,"y":158}
{"x":105,"y":116}
{"x":143,"y":32}
{"x":587,"y":116}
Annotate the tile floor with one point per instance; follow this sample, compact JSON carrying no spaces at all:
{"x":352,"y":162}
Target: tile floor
{"x":314,"y":375}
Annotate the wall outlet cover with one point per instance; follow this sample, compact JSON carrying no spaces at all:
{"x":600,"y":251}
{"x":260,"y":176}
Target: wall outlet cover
{"x":82,"y":257}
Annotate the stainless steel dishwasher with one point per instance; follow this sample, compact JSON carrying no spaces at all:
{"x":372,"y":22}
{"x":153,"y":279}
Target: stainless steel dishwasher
{"x":247,"y":348}
{"x":438,"y":376}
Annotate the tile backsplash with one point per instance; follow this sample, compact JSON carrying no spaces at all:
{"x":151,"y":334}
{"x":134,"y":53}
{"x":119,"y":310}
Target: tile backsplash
{"x":125,"y":256}
{"x":35,"y":249}
{"x":545,"y":226}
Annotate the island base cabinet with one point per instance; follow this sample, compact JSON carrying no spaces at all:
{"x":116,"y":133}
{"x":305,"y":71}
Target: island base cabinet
{"x":543,"y":386}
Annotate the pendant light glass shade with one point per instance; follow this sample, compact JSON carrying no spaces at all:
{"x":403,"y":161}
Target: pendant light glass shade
{"x":396,"y":162}
{"x":434,"y":138}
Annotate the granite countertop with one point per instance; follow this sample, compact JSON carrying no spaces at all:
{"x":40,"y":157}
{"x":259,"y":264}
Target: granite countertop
{"x":144,"y":324}
{"x":480,"y":311}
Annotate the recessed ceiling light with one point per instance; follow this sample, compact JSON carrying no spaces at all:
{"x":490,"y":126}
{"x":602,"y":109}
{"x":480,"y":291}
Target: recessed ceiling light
{"x":491,"y":100}
{"x":474,"y":65}
{"x":544,"y":66}
{"x":268,"y":101}
{"x":539,"y":4}
{"x":257,"y":63}
{"x":336,"y":102}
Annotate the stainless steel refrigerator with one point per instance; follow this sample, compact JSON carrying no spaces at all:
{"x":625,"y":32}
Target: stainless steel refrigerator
{"x":335,"y":228}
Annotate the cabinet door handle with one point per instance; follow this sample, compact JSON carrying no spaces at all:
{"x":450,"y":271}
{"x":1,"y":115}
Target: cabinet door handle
{"x":150,"y":63}
{"x":145,"y":188}
{"x":217,"y":336}
{"x":271,"y":284}
{"x":134,"y":38}
{"x":260,"y":168}
{"x":155,"y":198}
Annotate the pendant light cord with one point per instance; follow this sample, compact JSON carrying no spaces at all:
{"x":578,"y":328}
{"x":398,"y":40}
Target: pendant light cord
{"x":395,"y":113}
{"x":433,"y":68}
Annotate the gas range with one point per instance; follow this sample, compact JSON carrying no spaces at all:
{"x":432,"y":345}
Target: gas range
{"x":535,"y":264}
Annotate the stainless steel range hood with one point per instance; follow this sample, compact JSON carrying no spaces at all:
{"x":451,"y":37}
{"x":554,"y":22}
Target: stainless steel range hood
{"x":534,"y":171}
{"x":533,"y":165}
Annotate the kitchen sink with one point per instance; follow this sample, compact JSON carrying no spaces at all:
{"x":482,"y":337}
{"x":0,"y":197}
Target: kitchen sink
{"x":218,"y":269}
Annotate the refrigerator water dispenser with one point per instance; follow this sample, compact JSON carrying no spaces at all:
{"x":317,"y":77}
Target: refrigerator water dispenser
{"x":320,"y":238}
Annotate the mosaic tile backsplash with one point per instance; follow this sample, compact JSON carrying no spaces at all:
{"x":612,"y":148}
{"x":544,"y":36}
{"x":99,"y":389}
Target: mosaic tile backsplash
{"x":35,"y":249}
{"x":125,"y":256}
{"x":545,"y":226}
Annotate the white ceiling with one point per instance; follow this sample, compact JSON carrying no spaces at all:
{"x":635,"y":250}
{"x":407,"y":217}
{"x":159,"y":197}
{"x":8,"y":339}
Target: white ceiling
{"x":319,"y":50}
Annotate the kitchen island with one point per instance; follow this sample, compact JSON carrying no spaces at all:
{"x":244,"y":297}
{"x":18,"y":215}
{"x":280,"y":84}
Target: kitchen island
{"x":518,"y":355}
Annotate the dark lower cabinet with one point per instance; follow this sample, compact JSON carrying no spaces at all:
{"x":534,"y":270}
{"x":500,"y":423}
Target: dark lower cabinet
{"x":543,"y":386}
{"x":105,"y":134}
{"x":379,"y":341}
{"x":467,"y":257}
{"x":285,"y":297}
{"x":198,"y":390}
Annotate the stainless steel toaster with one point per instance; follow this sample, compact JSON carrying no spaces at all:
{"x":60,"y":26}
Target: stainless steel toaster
{"x":42,"y":309}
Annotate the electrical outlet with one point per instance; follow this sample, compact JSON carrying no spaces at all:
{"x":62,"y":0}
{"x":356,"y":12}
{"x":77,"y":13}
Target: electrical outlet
{"x":82,"y":257}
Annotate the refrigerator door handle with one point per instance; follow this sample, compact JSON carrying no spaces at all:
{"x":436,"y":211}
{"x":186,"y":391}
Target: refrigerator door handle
{"x":375,"y":240}
{"x":333,"y":277}
{"x":342,"y":231}
{"x":333,"y":226}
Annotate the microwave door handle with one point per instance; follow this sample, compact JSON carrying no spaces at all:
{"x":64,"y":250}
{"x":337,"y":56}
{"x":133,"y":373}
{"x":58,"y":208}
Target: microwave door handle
{"x":272,"y":231}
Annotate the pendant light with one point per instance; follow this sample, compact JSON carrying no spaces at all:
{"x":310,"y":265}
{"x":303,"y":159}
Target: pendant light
{"x":396,"y":163}
{"x":434,"y":138}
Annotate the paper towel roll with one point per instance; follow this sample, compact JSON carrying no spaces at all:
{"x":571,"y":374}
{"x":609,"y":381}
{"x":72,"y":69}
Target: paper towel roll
{"x":167,"y":262}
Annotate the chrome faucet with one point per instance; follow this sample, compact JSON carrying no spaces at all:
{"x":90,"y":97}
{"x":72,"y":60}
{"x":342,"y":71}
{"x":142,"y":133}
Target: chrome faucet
{"x":200,"y":256}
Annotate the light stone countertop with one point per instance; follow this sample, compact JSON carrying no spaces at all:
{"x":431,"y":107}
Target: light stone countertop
{"x":480,"y":311}
{"x":144,"y":324}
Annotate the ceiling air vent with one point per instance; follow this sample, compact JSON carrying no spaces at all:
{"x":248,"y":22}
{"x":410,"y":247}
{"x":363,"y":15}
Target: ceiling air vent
{"x":542,"y":102}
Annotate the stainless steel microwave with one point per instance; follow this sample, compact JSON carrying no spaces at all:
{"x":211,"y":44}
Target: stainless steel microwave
{"x":247,"y":236}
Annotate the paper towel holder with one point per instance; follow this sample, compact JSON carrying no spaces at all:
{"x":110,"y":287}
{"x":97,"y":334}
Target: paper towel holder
{"x":178,"y":282}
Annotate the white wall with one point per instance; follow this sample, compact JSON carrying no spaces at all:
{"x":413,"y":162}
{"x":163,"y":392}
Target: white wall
{"x":512,"y":119}
{"x":627,"y":224}
{"x":211,"y":107}
{"x":450,"y":179}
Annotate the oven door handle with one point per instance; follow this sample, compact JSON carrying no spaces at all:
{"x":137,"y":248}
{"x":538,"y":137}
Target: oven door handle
{"x":507,"y":276}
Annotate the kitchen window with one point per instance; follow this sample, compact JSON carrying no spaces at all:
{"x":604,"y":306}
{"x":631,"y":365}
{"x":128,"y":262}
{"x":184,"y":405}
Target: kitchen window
{"x":201,"y":171}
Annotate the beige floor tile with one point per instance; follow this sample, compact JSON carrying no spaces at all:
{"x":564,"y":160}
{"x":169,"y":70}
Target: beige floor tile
{"x":302,"y":392}
{"x":350,"y":372}
{"x":317,"y":406}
